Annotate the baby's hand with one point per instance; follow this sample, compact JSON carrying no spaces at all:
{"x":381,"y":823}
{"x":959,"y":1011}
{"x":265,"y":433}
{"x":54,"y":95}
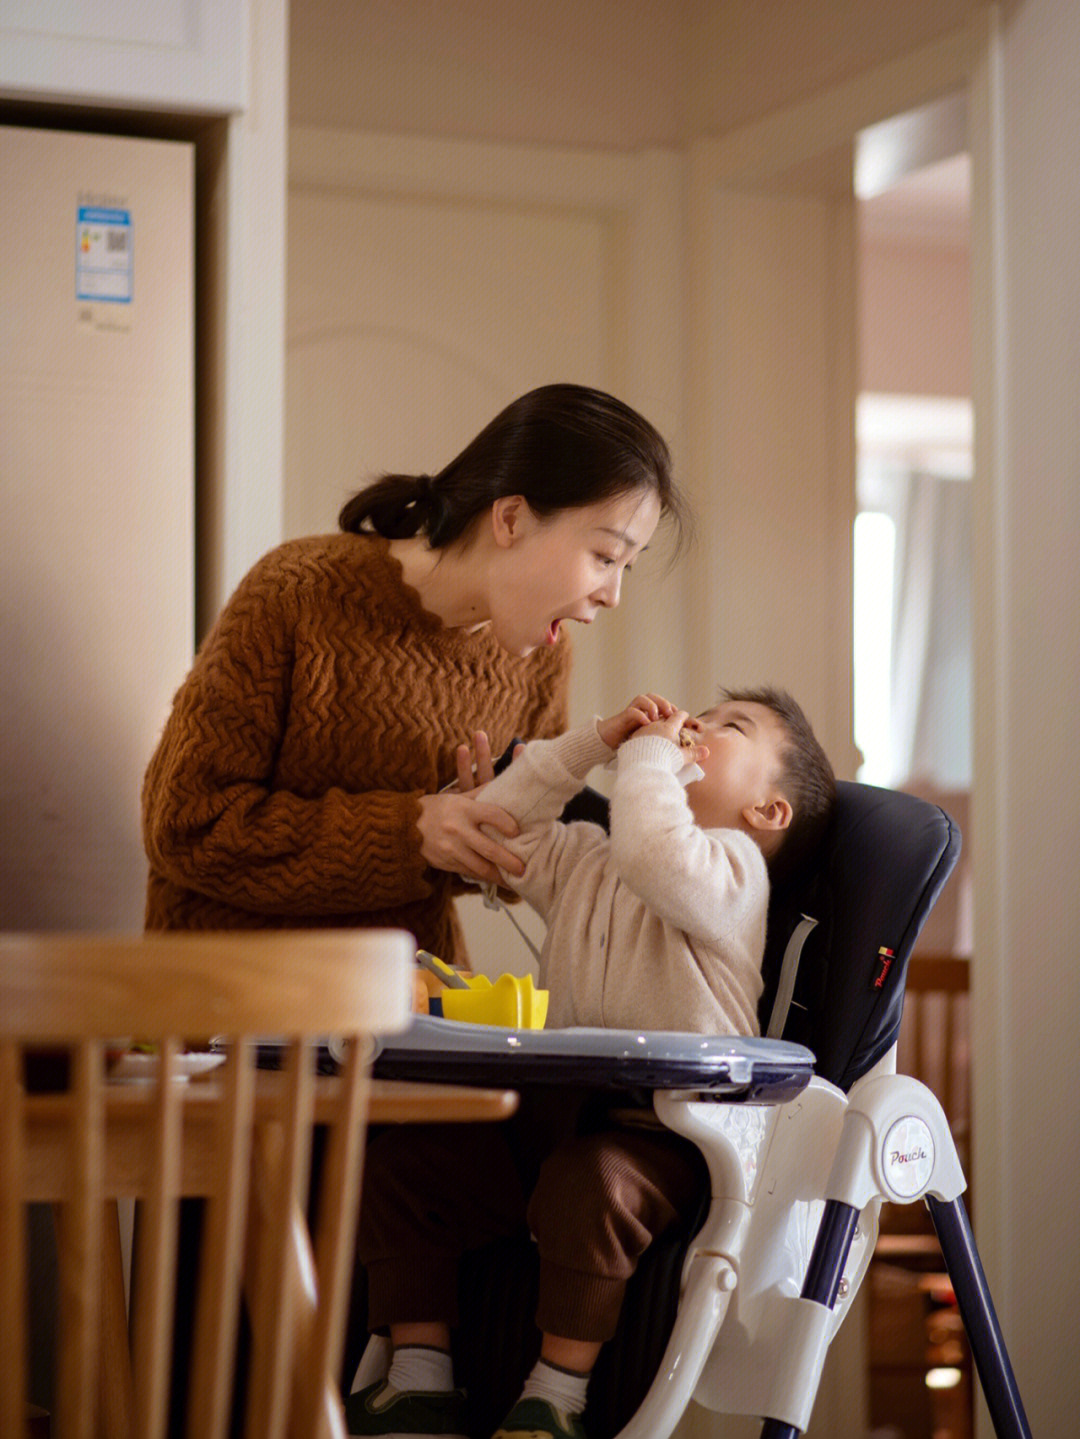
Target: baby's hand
{"x":682,"y":730}
{"x":643,"y":710}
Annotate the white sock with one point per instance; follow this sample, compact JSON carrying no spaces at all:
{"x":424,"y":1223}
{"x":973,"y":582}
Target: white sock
{"x":562,"y":1387}
{"x":423,"y":1368}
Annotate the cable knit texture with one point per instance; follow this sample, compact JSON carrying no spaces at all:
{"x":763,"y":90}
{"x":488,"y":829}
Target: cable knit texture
{"x":661,"y":925}
{"x":285,"y":789}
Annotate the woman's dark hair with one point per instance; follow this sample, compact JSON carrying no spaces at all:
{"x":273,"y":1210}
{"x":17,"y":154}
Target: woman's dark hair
{"x":561,"y":446}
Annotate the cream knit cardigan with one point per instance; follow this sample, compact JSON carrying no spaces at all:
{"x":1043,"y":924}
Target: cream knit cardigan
{"x":660,"y":926}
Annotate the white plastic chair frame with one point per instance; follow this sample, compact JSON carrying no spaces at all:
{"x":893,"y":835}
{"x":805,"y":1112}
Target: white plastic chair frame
{"x":795,"y":1195}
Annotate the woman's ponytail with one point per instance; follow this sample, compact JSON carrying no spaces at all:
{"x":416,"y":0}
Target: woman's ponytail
{"x":396,"y":507}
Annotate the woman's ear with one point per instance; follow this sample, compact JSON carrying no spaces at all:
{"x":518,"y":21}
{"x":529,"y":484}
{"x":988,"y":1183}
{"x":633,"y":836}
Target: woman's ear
{"x":509,"y":515}
{"x":771,"y":814}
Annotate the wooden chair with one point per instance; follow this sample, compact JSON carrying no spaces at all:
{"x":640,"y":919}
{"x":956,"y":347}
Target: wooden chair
{"x":241,"y":1139}
{"x":914,"y":1325}
{"x":934,"y":1047}
{"x":935,"y":1038}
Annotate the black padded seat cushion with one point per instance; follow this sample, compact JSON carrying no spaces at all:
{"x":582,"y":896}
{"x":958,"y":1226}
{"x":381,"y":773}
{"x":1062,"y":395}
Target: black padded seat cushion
{"x":884,"y":863}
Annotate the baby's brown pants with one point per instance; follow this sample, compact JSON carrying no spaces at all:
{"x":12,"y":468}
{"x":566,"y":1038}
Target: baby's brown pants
{"x":593,"y":1200}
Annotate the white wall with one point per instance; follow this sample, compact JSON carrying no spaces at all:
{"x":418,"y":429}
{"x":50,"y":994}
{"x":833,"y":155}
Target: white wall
{"x":914,"y":318}
{"x":748,"y":59}
{"x":1027,"y":780}
{"x":242,"y":337}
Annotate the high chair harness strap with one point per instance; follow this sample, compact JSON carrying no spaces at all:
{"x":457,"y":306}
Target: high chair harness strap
{"x":492,"y":901}
{"x":789,"y":969}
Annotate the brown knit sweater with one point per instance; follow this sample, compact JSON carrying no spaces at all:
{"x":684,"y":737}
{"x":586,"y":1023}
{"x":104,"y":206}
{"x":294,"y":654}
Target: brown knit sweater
{"x":284,"y":791}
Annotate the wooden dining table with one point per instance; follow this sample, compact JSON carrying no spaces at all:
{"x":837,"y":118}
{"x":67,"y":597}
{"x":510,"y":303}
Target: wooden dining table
{"x":130,"y":1105}
{"x":128,"y":1129}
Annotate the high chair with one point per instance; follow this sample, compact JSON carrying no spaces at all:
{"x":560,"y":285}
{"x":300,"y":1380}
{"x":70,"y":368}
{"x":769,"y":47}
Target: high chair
{"x":804,"y":1133}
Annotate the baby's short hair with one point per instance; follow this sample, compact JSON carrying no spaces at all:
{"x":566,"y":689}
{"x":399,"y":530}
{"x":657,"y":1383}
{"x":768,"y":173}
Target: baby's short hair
{"x":807,"y":780}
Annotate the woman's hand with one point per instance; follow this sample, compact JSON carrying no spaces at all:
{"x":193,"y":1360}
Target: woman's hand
{"x":451,"y":836}
{"x":475,"y":766}
{"x":643,"y":710}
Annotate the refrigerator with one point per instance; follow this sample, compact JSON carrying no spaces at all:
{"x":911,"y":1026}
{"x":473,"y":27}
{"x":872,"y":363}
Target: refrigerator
{"x":97,"y":486}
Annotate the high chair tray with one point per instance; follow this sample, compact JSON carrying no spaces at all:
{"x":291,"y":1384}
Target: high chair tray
{"x":444,"y":1051}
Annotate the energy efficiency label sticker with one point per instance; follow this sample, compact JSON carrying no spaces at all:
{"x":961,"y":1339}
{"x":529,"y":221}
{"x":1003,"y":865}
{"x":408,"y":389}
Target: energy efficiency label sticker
{"x":104,"y":262}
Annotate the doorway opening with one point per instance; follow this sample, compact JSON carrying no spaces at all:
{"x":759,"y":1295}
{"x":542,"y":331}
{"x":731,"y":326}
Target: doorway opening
{"x":913,"y":674}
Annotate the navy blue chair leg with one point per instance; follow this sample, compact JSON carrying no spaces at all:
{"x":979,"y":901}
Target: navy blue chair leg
{"x":822,"y":1282}
{"x":972,"y":1294}
{"x":774,"y":1429}
{"x":980,"y":1319}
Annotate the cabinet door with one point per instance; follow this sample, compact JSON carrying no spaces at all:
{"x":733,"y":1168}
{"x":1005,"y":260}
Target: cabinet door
{"x":182,"y":54}
{"x":96,"y":503}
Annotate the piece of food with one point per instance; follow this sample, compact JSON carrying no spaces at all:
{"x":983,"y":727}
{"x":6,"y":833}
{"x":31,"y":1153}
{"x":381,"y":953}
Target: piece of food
{"x":421,"y":992}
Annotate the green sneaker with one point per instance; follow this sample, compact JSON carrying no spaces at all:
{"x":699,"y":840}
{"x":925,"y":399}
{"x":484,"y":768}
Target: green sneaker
{"x":386,"y":1411}
{"x":537,"y":1419}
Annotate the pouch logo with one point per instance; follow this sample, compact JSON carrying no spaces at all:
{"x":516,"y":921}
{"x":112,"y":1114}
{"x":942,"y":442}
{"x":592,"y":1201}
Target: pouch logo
{"x":897,"y":1158}
{"x":907,"y":1156}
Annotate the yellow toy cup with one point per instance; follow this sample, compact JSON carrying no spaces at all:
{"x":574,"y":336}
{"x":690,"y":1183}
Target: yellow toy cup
{"x":511,"y":1002}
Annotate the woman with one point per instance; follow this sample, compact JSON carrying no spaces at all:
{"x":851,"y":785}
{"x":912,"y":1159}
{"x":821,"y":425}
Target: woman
{"x":299,"y":778}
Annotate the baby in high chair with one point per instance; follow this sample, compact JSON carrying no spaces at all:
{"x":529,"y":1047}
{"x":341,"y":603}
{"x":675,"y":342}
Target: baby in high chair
{"x":660,"y":924}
